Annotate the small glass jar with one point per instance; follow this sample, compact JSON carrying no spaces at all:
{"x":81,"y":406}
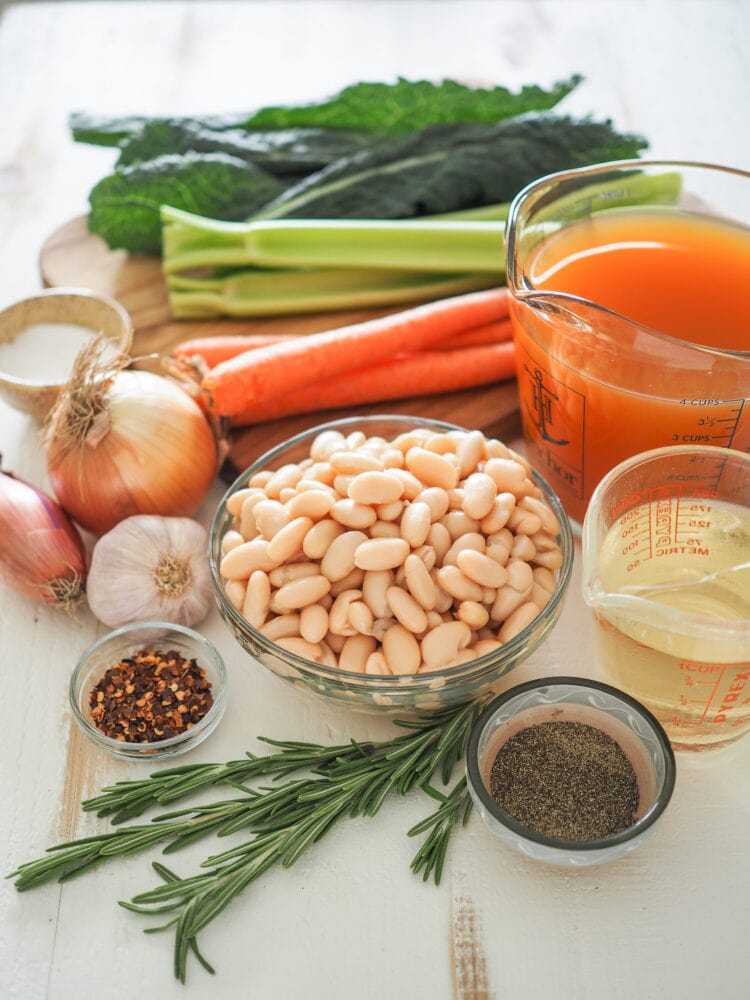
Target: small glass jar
{"x":125,"y":642}
{"x":572,"y":699}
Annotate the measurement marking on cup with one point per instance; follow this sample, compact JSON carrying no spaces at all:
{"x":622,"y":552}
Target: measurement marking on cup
{"x":690,"y":666}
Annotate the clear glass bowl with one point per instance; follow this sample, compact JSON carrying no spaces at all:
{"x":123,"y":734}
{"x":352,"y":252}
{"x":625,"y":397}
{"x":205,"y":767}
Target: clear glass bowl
{"x":402,"y":694}
{"x":127,"y":641}
{"x":572,"y":699}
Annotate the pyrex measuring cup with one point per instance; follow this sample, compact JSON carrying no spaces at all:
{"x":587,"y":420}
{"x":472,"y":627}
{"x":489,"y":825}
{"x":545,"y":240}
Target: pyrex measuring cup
{"x":630,"y":305}
{"x":666,"y":570}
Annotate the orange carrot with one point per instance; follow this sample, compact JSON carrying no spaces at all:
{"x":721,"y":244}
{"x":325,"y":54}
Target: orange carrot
{"x":418,"y":374}
{"x":268,"y":372}
{"x":222,"y":347}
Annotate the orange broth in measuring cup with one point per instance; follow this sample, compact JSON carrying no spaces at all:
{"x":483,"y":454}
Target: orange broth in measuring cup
{"x":600,"y":377}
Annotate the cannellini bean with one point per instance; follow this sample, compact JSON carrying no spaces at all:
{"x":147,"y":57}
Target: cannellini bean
{"x":441,"y":644}
{"x":313,"y":623}
{"x":375,"y":488}
{"x":260,"y":478}
{"x":257,"y":598}
{"x":355,"y":440}
{"x":244,"y":559}
{"x":352,"y":514}
{"x":508,"y":474}
{"x":419,"y":583}
{"x":485,"y":646}
{"x":470,"y":451}
{"x":236,"y":500}
{"x":231,"y":540}
{"x":270,"y":517}
{"x":281,"y":627}
{"x":471,"y":540}
{"x":434,"y":619}
{"x":390,"y":511}
{"x":352,"y":581}
{"x":322,"y":474}
{"x":361,"y":617}
{"x":479,"y":495}
{"x":540,"y":596}
{"x":381,"y":553}
{"x":351,"y":463}
{"x":544,"y":578}
{"x":335,"y":643}
{"x":436,"y":499}
{"x":523,"y":548}
{"x":385,"y":529}
{"x":443,"y":600}
{"x":377,"y":665}
{"x":355,"y":652}
{"x":439,"y":443}
{"x":338,"y":560}
{"x":416,"y":523}
{"x":502,"y":507}
{"x":517,"y":621}
{"x":325,"y":444}
{"x":248,"y":525}
{"x":300,"y":647}
{"x":380,"y":626}
{"x":235,"y":591}
{"x":338,"y":616}
{"x":432,"y":469}
{"x":287,"y":542}
{"x":341,"y":484}
{"x":544,"y":542}
{"x":411,"y":485}
{"x":298,"y":593}
{"x":455,"y":498}
{"x":320,"y":536}
{"x":287,"y":475}
{"x":440,"y":539}
{"x":549,"y":560}
{"x":427,"y":554}
{"x":549,"y":520}
{"x":458,"y":585}
{"x":406,"y":610}
{"x":327,"y":656}
{"x":458,"y":523}
{"x":474,"y":614}
{"x":392,"y":458}
{"x":292,"y":571}
{"x":313,"y":503}
{"x":374,"y":589}
{"x":524,"y":522}
{"x":401,"y":650}
{"x":520,"y":576}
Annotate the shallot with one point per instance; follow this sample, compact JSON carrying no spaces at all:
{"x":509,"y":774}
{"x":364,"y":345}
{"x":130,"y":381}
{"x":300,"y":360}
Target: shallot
{"x":42,"y":555}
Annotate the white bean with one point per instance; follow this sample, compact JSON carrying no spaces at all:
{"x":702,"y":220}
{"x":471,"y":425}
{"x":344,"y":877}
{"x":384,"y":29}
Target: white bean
{"x":374,"y":588}
{"x":300,"y":647}
{"x":312,"y":503}
{"x":479,"y":495}
{"x":298,"y":593}
{"x":313,"y":622}
{"x":377,"y":665}
{"x":338,"y":560}
{"x":381,"y":553}
{"x":458,"y":585}
{"x":355,"y":652}
{"x":292,"y":571}
{"x":281,"y":627}
{"x":416,"y":523}
{"x":270,"y":517}
{"x":419,"y":582}
{"x":401,"y":650}
{"x":516,"y":622}
{"x":244,"y":559}
{"x":406,"y":610}
{"x":257,"y":598}
{"x":352,"y":514}
{"x":351,"y":463}
{"x":338,"y":616}
{"x":320,"y":536}
{"x":432,"y":469}
{"x":482,"y":569}
{"x":376,"y":488}
{"x":436,"y":499}
{"x":287,"y":542}
{"x":441,"y":644}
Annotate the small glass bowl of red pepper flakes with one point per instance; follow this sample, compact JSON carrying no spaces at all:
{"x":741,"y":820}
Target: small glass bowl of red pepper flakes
{"x":149,"y":690}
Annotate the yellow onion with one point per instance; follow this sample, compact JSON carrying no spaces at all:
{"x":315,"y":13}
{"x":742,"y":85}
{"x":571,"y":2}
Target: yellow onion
{"x":120,"y":443}
{"x":41,"y":553}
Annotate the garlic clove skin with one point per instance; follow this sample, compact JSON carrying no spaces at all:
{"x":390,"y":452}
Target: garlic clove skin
{"x":151,"y":568}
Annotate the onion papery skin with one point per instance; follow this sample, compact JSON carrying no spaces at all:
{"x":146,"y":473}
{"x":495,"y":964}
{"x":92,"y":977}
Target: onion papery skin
{"x":42,"y":555}
{"x":158,"y":456}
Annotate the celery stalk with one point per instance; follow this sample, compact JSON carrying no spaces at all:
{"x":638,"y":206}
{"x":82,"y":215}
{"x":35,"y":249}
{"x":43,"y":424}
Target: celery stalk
{"x":266,"y":293}
{"x":452,"y":247}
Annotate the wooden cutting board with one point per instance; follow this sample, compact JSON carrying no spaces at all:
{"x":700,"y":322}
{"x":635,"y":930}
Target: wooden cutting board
{"x":74,"y":257}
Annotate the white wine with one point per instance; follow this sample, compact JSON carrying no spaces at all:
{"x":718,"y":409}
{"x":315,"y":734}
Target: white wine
{"x":683,"y":648}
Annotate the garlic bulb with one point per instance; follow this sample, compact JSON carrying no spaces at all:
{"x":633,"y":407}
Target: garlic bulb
{"x":150,"y":568}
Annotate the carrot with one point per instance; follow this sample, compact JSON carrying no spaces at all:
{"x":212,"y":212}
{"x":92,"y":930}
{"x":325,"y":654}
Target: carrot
{"x":272,"y":371}
{"x":418,"y":374}
{"x":222,"y":347}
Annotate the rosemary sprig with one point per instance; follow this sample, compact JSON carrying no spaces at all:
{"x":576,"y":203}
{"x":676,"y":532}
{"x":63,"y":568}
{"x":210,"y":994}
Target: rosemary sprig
{"x":285,"y":819}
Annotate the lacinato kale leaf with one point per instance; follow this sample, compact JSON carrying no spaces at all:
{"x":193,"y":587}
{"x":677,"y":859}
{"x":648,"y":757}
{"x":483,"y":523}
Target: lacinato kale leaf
{"x":287,"y":153}
{"x":404,"y":106}
{"x":125,"y":205}
{"x":446,"y":168}
{"x":408,"y":105}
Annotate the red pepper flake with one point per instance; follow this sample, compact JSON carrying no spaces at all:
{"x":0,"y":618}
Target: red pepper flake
{"x":132,"y":701}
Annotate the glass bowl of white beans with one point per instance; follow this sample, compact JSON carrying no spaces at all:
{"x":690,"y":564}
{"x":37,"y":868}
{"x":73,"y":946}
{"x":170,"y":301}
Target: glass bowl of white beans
{"x":390,"y":563}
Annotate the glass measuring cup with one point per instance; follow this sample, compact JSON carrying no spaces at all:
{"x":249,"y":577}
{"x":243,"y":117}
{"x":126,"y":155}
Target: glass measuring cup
{"x":629,"y":304}
{"x":666,"y":571}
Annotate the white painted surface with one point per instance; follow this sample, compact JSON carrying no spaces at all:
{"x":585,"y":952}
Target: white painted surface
{"x":350,"y":921}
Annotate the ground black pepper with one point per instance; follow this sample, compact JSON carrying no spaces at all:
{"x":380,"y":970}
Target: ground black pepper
{"x":567,"y":780}
{"x":149,"y":697}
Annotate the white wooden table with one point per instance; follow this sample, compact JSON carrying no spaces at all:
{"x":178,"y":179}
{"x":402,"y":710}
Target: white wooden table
{"x":349,"y":921}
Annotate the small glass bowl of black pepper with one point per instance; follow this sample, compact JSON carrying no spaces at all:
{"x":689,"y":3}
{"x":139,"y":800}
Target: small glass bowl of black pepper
{"x":569,"y":771}
{"x":149,"y":690}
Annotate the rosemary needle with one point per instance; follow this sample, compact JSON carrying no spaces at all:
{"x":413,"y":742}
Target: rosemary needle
{"x":284,"y":819}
